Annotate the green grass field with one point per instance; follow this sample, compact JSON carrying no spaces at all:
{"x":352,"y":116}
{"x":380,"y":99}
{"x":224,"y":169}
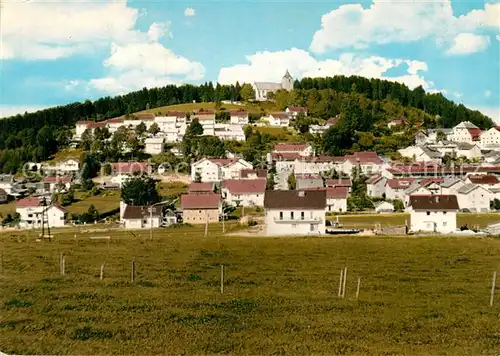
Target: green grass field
{"x":368,"y":221}
{"x":418,"y":296}
{"x":9,"y":208}
{"x":254,"y":108}
{"x":106,"y":201}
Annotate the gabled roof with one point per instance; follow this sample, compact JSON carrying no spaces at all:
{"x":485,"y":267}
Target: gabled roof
{"x":366,"y":157}
{"x":95,"y":125}
{"x":399,"y":122}
{"x":260,"y":173}
{"x":483,"y":179}
{"x":296,"y":109}
{"x":467,"y":188}
{"x":280,"y":115}
{"x":373,"y":179}
{"x":116,"y":120}
{"x":238,"y":113}
{"x":28,"y":202}
{"x":434,"y":202}
{"x":321,"y":159}
{"x":467,"y":125}
{"x":332,"y":192}
{"x":427,"y":181}
{"x":338,"y":182}
{"x":144,"y":116}
{"x":177,"y":114}
{"x":201,"y":187}
{"x":400,"y":183}
{"x":475,"y":133}
{"x":200,"y":201}
{"x":140,"y":212}
{"x":290,"y":147}
{"x":449,"y":182}
{"x":268,"y":86}
{"x":204,"y":112}
{"x":223,"y":161}
{"x":285,"y":156}
{"x":292,"y":199}
{"x":244,"y":186}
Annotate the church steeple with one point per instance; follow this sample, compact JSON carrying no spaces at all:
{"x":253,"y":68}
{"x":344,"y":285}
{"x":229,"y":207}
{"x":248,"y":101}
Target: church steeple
{"x":287,"y":81}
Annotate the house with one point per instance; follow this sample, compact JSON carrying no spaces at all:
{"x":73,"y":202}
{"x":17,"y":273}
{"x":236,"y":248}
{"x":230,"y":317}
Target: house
{"x":368,"y":162}
{"x":253,"y":173}
{"x":450,"y":186}
{"x":395,"y":188}
{"x":294,"y":111}
{"x":339,"y":182}
{"x":304,"y":181}
{"x":465,"y":132}
{"x":173,"y":125}
{"x":201,"y":187}
{"x":384,"y":207}
{"x":318,"y":129}
{"x":70,"y":165}
{"x":415,"y":189}
{"x":421,"y":154}
{"x":81,"y":127}
{"x":421,"y":138}
{"x":114,"y":124}
{"x":470,"y":151}
{"x":263,"y":89}
{"x":3,"y":196}
{"x":433,"y":134}
{"x":291,"y":212}
{"x":32,"y":212}
{"x":397,"y":122}
{"x":490,"y":138}
{"x":433,"y":213}
{"x":229,"y":132}
{"x":486,"y":180}
{"x":58,"y":184}
{"x":474,"y":197}
{"x":122,"y":171}
{"x":300,"y":149}
{"x":315,"y":165}
{"x":206,"y":118}
{"x":277,"y":119}
{"x":244,"y":192}
{"x":7,"y":183}
{"x":217,"y":169}
{"x":375,"y":186}
{"x":336,"y":198}
{"x":154,"y":145}
{"x":142,"y":217}
{"x":200,"y":208}
{"x":238,"y":117}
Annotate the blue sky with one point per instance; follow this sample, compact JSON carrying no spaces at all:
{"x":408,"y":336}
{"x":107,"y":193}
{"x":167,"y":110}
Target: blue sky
{"x":54,"y":53}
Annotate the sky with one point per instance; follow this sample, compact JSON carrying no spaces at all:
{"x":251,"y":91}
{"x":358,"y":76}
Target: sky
{"x":58,"y":52}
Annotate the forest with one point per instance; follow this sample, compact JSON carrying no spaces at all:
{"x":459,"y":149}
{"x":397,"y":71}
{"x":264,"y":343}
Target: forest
{"x":363,"y":103}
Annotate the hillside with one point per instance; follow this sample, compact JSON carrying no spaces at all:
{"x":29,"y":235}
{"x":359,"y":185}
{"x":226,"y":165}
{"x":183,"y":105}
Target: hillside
{"x":252,"y":108}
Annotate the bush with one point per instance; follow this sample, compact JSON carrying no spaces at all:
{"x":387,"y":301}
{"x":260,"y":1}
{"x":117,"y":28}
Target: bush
{"x":180,"y":225}
{"x":252,"y":223}
{"x":87,"y":333}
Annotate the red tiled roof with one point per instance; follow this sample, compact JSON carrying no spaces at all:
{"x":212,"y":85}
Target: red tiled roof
{"x":332,"y":121}
{"x":242,"y":186}
{"x":279,"y":115}
{"x":201,"y":187}
{"x":116,"y":120}
{"x":28,"y":202}
{"x":483,"y":179}
{"x":338,"y":182}
{"x":94,"y":125}
{"x":400,"y":183}
{"x":145,"y":116}
{"x":333,"y":192}
{"x":427,"y":181}
{"x":285,"y":156}
{"x":200,"y":201}
{"x":287,"y":147}
{"x":373,"y":179}
{"x":435,"y":169}
{"x":130,"y":167}
{"x":365,"y":157}
{"x":434,"y":202}
{"x":204,"y":112}
{"x":239,"y":113}
{"x":57,"y":179}
{"x":177,"y":114}
{"x":260,"y":173}
{"x":475,"y":133}
{"x":297,"y":109}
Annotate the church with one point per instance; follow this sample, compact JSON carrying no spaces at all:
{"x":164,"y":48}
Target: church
{"x":263,"y":88}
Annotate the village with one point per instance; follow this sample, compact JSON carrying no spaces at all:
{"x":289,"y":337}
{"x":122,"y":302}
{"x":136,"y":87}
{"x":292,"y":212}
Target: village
{"x":295,"y":189}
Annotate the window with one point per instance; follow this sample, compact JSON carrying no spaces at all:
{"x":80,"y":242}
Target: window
{"x":302,"y":215}
{"x":428,"y":213}
{"x":444,"y":212}
{"x":281,"y":215}
{"x":294,"y":226}
{"x":311,"y":227}
{"x":445,"y":223}
{"x":291,"y":215}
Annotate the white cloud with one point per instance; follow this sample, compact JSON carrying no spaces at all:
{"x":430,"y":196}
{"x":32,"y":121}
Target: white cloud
{"x":157,"y":31}
{"x":10,"y":110}
{"x":467,"y":43}
{"x":139,"y":65}
{"x":189,"y":12}
{"x":487,"y":93}
{"x":270,"y":66}
{"x":386,"y":22}
{"x":40,"y":29}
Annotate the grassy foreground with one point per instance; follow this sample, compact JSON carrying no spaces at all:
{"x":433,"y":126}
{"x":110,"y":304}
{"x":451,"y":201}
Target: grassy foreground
{"x":424,"y":296}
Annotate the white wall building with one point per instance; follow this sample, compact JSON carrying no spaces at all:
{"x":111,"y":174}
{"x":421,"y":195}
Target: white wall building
{"x":154,"y":145}
{"x":238,"y":117}
{"x":215,"y":170}
{"x":375,"y":186}
{"x":262,"y":89}
{"x":290,"y":212}
{"x":490,"y":138}
{"x":277,"y":119}
{"x":31,"y":214}
{"x":244,"y":192}
{"x":141,"y":217}
{"x":433,"y":213}
{"x":465,"y":132}
{"x":474,"y":198}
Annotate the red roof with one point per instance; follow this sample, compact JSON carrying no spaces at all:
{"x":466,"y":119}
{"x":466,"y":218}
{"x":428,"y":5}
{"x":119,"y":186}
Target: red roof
{"x":399,"y":122}
{"x":373,"y":179}
{"x":427,"y":181}
{"x":332,"y":121}
{"x":333,"y":192}
{"x":435,"y":169}
{"x":475,"y":133}
{"x":297,"y":109}
{"x":285,"y":156}
{"x":290,"y":147}
{"x":177,"y":114}
{"x":260,"y":173}
{"x":145,"y":116}
{"x":338,"y":182}
{"x":239,"y":113}
{"x":483,"y":179}
{"x":242,"y":186}
{"x":200,"y":201}
{"x":28,"y":202}
{"x":400,"y":183}
{"x":201,"y":187}
{"x":116,"y":120}
{"x":94,"y":125}
{"x":365,"y":157}
{"x":320,"y":159}
{"x":280,"y":115}
{"x":55,"y":179}
{"x":130,"y":167}
{"x":204,"y":112}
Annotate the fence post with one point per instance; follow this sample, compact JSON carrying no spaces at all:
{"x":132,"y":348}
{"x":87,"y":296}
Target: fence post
{"x":221,"y":279}
{"x":132,"y":273}
{"x":1,"y":262}
{"x":493,"y":285}
{"x":345,"y":280}
{"x":102,"y":272}
{"x":63,"y":265}
{"x":341,"y":280}
{"x":357,"y":289}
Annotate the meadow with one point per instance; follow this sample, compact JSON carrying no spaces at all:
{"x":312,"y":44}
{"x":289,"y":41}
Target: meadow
{"x":418,"y":296}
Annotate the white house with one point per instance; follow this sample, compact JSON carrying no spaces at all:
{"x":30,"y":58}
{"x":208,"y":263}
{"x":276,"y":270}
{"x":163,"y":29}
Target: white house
{"x":318,"y":129}
{"x":465,"y":132}
{"x":375,"y":186}
{"x":154,"y":145}
{"x":368,"y":162}
{"x":238,"y":117}
{"x":173,"y":125}
{"x":336,"y":198}
{"x":58,"y":184}
{"x":395,"y":188}
{"x":32,"y":211}
{"x":122,"y":171}
{"x":291,"y":212}
{"x":474,"y":198}
{"x":301,"y":149}
{"x":262,"y":89}
{"x":207,"y":120}
{"x":277,"y":119}
{"x":468,"y":150}
{"x":114,"y":124}
{"x":294,"y":111}
{"x":450,"y":186}
{"x":314,"y":165}
{"x":384,"y":207}
{"x":217,"y":169}
{"x":433,"y":213}
{"x":421,"y":154}
{"x":142,"y":217}
{"x":229,"y":132}
{"x":490,"y":138}
{"x":244,"y":192}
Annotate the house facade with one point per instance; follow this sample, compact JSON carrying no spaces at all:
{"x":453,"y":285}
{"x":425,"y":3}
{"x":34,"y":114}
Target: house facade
{"x":217,"y":169}
{"x":433,"y":213}
{"x":244,"y":192}
{"x":200,"y":208}
{"x":474,"y":198}
{"x":375,"y":186}
{"x":465,"y":132}
{"x":32,"y":210}
{"x":238,"y":117}
{"x":290,"y":212}
{"x":142,"y":217}
{"x":154,"y":145}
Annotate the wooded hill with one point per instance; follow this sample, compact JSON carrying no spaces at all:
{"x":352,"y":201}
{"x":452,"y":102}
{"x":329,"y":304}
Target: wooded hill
{"x":37,"y":136}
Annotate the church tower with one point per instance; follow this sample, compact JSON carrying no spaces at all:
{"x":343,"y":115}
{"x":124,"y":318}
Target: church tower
{"x":287,"y":81}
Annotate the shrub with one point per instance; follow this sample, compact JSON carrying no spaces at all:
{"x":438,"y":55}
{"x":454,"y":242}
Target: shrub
{"x":87,"y":333}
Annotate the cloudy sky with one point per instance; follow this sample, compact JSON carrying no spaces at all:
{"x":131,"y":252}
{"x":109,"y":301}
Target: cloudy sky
{"x":53,"y":53}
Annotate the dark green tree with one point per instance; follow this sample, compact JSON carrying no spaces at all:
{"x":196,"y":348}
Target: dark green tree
{"x":140,"y":191}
